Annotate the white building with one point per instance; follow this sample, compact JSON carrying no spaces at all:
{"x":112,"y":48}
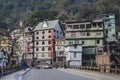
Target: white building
{"x":73,"y":54}
{"x":45,"y":34}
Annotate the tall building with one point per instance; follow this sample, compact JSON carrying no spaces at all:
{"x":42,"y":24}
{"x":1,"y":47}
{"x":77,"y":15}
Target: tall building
{"x":45,"y":34}
{"x":109,"y":23}
{"x":90,"y":35}
{"x":60,"y":51}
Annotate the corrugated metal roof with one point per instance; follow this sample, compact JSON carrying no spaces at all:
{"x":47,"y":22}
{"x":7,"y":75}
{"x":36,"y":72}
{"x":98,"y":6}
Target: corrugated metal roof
{"x":50,"y":24}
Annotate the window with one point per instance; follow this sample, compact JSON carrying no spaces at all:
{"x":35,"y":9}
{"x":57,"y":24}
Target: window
{"x":37,"y":49}
{"x":37,"y":33}
{"x":82,"y":42}
{"x":37,"y":37}
{"x":49,"y":31}
{"x":49,"y":49}
{"x":88,"y":34}
{"x":37,"y":43}
{"x":43,"y":32}
{"x":73,"y":34}
{"x":94,"y":24}
{"x":54,"y":30}
{"x":69,"y":26}
{"x":100,"y":24}
{"x":98,"y":41}
{"x":76,"y":41}
{"x":75,"y":46}
{"x":82,"y":33}
{"x":76,"y":27}
{"x":43,"y":37}
{"x":82,"y":26}
{"x":70,"y":42}
{"x":49,"y":36}
{"x":43,"y":55}
{"x":49,"y":42}
{"x":57,"y":31}
{"x":98,"y":33}
{"x":43,"y":48}
{"x":75,"y":55}
{"x":43,"y":42}
{"x":88,"y":25}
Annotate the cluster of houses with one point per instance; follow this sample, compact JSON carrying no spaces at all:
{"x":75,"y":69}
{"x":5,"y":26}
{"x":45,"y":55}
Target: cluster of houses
{"x":75,"y":43}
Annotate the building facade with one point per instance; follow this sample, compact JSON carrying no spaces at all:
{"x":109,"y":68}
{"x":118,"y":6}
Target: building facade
{"x":90,"y":35}
{"x":60,"y":49}
{"x":45,"y":34}
{"x":110,"y":27}
{"x":73,"y":54}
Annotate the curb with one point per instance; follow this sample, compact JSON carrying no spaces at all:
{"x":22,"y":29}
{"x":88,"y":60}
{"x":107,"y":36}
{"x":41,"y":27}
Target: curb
{"x":20,"y":77}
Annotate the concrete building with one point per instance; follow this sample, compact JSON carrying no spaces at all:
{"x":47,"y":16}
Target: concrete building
{"x":90,"y":35}
{"x":60,"y":49}
{"x":109,"y":23}
{"x":73,"y":54}
{"x":45,"y":34}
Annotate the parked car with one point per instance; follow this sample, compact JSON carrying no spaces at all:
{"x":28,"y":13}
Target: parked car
{"x":44,"y":66}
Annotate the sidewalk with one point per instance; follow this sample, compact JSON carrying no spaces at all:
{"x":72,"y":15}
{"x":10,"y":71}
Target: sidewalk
{"x":15,"y":76}
{"x":91,"y":74}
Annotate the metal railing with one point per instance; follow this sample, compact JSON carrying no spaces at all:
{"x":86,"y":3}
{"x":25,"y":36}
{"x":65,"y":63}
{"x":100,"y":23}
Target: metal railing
{"x":8,"y":69}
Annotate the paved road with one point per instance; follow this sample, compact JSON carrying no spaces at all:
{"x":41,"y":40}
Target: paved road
{"x":52,"y":74}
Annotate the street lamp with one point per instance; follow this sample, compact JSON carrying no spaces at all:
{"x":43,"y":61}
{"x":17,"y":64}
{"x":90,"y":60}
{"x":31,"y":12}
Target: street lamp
{"x":32,"y":33}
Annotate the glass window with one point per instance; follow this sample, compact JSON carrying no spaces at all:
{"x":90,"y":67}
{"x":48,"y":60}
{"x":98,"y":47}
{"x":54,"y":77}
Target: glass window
{"x":98,"y":33}
{"x":37,"y":37}
{"x":49,"y":42}
{"x":73,"y":34}
{"x":82,"y":42}
{"x":83,"y":33}
{"x":98,"y":41}
{"x":82,"y":26}
{"x":75,"y":46}
{"x":75,"y":55}
{"x":100,"y":24}
{"x":43,"y":32}
{"x":88,"y":34}
{"x":37,"y":32}
{"x":37,"y":49}
{"x":94,"y":24}
{"x":49,"y":31}
{"x":70,"y":42}
{"x":48,"y":48}
{"x":43,"y":42}
{"x":69,"y":26}
{"x":49,"y":36}
{"x":88,"y":25}
{"x":43,"y":37}
{"x":43,"y":55}
{"x":37,"y":43}
{"x":43,"y":48}
{"x":76,"y":27}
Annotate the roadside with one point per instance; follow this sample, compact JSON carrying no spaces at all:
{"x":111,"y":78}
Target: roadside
{"x":91,"y":74}
{"x":16,"y":75}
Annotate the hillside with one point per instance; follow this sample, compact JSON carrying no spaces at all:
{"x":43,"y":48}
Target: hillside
{"x":33,"y":11}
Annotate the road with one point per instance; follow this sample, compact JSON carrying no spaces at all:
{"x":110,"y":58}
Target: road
{"x":52,"y":74}
{"x":67,"y":74}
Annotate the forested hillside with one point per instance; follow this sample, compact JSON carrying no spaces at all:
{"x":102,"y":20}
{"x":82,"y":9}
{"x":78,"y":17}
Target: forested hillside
{"x":33,"y":11}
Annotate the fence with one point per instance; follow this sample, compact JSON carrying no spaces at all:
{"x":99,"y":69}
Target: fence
{"x":103,"y":69}
{"x":8,"y":69}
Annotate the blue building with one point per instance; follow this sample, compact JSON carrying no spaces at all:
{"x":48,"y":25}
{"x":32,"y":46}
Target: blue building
{"x":109,"y":23}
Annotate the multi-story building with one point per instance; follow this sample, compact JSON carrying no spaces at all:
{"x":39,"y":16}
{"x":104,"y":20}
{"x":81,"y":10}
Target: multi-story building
{"x":45,"y":34}
{"x":90,"y":35}
{"x":73,"y":55}
{"x":109,"y":23}
{"x":60,"y":48}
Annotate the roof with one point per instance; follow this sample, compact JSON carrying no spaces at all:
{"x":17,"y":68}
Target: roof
{"x":15,"y":31}
{"x":46,"y":25}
